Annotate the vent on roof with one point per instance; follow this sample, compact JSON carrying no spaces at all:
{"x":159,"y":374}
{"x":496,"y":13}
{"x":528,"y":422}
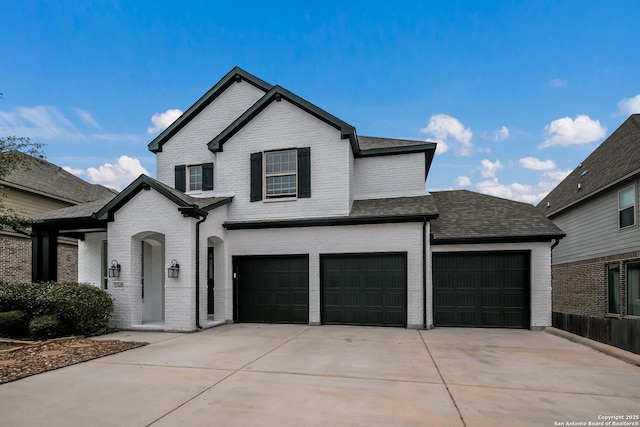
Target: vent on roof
{"x":579,"y":186}
{"x":584,"y":173}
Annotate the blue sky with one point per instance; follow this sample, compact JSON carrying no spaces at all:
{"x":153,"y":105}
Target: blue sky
{"x":515,"y":93}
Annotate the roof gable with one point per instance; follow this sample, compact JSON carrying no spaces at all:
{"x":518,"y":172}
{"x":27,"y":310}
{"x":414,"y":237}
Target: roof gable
{"x":277,"y":93}
{"x":143,"y":182}
{"x":613,"y":162}
{"x":237,"y":74}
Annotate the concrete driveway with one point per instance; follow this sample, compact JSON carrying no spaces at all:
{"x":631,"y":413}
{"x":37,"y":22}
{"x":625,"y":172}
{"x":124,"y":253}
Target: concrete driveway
{"x":288,"y":375}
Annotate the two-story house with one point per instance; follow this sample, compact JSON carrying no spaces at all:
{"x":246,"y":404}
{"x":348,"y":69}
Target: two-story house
{"x":34,"y":187}
{"x":596,"y":268}
{"x":267,"y":208}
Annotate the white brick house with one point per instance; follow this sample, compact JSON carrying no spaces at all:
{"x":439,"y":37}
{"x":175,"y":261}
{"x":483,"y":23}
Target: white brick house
{"x":277,"y":211}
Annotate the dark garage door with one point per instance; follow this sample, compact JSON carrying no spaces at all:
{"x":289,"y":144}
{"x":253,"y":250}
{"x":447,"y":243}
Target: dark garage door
{"x":271,"y":289}
{"x":364,"y":289}
{"x":481,"y":289}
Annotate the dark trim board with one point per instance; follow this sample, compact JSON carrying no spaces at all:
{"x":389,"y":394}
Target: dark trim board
{"x":489,"y":289}
{"x":355,"y":295}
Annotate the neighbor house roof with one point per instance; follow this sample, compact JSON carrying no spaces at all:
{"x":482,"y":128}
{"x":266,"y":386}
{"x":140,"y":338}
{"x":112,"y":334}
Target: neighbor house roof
{"x":468,"y":217}
{"x":616,"y":160}
{"x":44,"y":178}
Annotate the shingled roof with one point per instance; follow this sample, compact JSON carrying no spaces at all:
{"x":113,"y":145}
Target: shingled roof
{"x":616,"y":160}
{"x":44,"y":178}
{"x":468,"y":217}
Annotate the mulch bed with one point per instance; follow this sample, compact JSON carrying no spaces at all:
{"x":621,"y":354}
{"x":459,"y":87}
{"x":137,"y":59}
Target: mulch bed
{"x":24,"y":361}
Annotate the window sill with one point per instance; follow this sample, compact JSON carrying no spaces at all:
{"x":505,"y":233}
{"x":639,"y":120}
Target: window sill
{"x":612,"y":316}
{"x":280,"y":199}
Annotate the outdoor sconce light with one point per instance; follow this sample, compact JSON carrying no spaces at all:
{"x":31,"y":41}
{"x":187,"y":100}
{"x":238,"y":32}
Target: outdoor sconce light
{"x":174,"y":270}
{"x":114,"y":270}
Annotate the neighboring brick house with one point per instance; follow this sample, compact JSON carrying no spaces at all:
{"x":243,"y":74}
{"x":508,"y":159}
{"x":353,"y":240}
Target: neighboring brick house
{"x":596,"y":268}
{"x":34,"y":188}
{"x":267,"y":208}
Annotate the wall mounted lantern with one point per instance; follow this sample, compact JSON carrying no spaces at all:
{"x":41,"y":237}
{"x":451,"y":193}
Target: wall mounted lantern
{"x":174,"y":270}
{"x":114,"y":270}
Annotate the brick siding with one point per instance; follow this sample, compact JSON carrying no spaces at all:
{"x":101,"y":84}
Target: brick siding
{"x":580,"y":287}
{"x":15,"y":260}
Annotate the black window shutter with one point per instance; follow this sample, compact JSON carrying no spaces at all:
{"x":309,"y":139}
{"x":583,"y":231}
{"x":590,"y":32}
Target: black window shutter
{"x":181,"y":177}
{"x":207,"y":176}
{"x":304,"y":172}
{"x":256,"y":177}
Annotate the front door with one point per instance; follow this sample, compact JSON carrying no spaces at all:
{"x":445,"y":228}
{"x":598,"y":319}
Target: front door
{"x":210,"y":283}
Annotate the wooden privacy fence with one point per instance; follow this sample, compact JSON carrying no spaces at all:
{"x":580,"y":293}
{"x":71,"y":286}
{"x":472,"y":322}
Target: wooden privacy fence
{"x":623,"y":333}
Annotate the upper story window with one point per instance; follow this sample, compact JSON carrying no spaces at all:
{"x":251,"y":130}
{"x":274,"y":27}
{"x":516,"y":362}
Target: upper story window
{"x":627,"y":207}
{"x":281,"y":174}
{"x":195,"y":178}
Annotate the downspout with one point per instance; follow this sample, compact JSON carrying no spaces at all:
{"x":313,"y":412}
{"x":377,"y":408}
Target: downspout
{"x":424,"y":274}
{"x":204,"y":218}
{"x":556,"y":243}
{"x":201,"y":215}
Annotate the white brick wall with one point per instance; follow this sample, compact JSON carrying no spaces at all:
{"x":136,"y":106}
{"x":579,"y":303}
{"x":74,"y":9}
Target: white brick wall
{"x":189,"y":145}
{"x":390,"y":176}
{"x":540,"y":273}
{"x":280,"y":126}
{"x":340,"y":239}
{"x":90,"y":258}
{"x":132,"y":224}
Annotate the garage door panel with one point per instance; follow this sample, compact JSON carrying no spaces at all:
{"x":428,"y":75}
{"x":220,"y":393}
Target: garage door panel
{"x":364,"y":289}
{"x":272,"y":289}
{"x":490,"y":289}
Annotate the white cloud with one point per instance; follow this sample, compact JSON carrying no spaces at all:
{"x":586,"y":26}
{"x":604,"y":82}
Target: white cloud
{"x":463,"y":181}
{"x":441,"y":147}
{"x":556,"y":176}
{"x":161,"y":121}
{"x":489,"y":169}
{"x":566,"y":131}
{"x":116,"y":176}
{"x":630,"y":106}
{"x":76,"y":172}
{"x":537,"y":164}
{"x":86,"y":117}
{"x":447,"y":129}
{"x":502,"y":134}
{"x":47,"y":123}
{"x":557,"y":83}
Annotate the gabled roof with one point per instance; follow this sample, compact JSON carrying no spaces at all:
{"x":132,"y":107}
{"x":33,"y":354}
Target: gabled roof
{"x":144,"y":182}
{"x":277,"y":93}
{"x":615,"y":161}
{"x":468,"y":217}
{"x":104,"y":210}
{"x":236,"y":74}
{"x":41,"y":177}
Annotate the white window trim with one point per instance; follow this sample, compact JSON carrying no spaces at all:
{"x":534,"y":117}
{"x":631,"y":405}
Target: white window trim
{"x":188,"y":179}
{"x":626,"y":278}
{"x":635,"y":207}
{"x":278,"y":197}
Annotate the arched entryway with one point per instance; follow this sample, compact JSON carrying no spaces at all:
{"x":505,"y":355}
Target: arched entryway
{"x":149,"y":250}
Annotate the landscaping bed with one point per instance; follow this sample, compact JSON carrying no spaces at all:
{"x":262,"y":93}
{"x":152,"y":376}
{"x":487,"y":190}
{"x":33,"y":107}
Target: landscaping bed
{"x":25,"y":359}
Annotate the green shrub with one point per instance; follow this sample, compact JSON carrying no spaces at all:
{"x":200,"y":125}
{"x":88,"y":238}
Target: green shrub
{"x":83,"y":309}
{"x":46,"y":326}
{"x":14,"y":323}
